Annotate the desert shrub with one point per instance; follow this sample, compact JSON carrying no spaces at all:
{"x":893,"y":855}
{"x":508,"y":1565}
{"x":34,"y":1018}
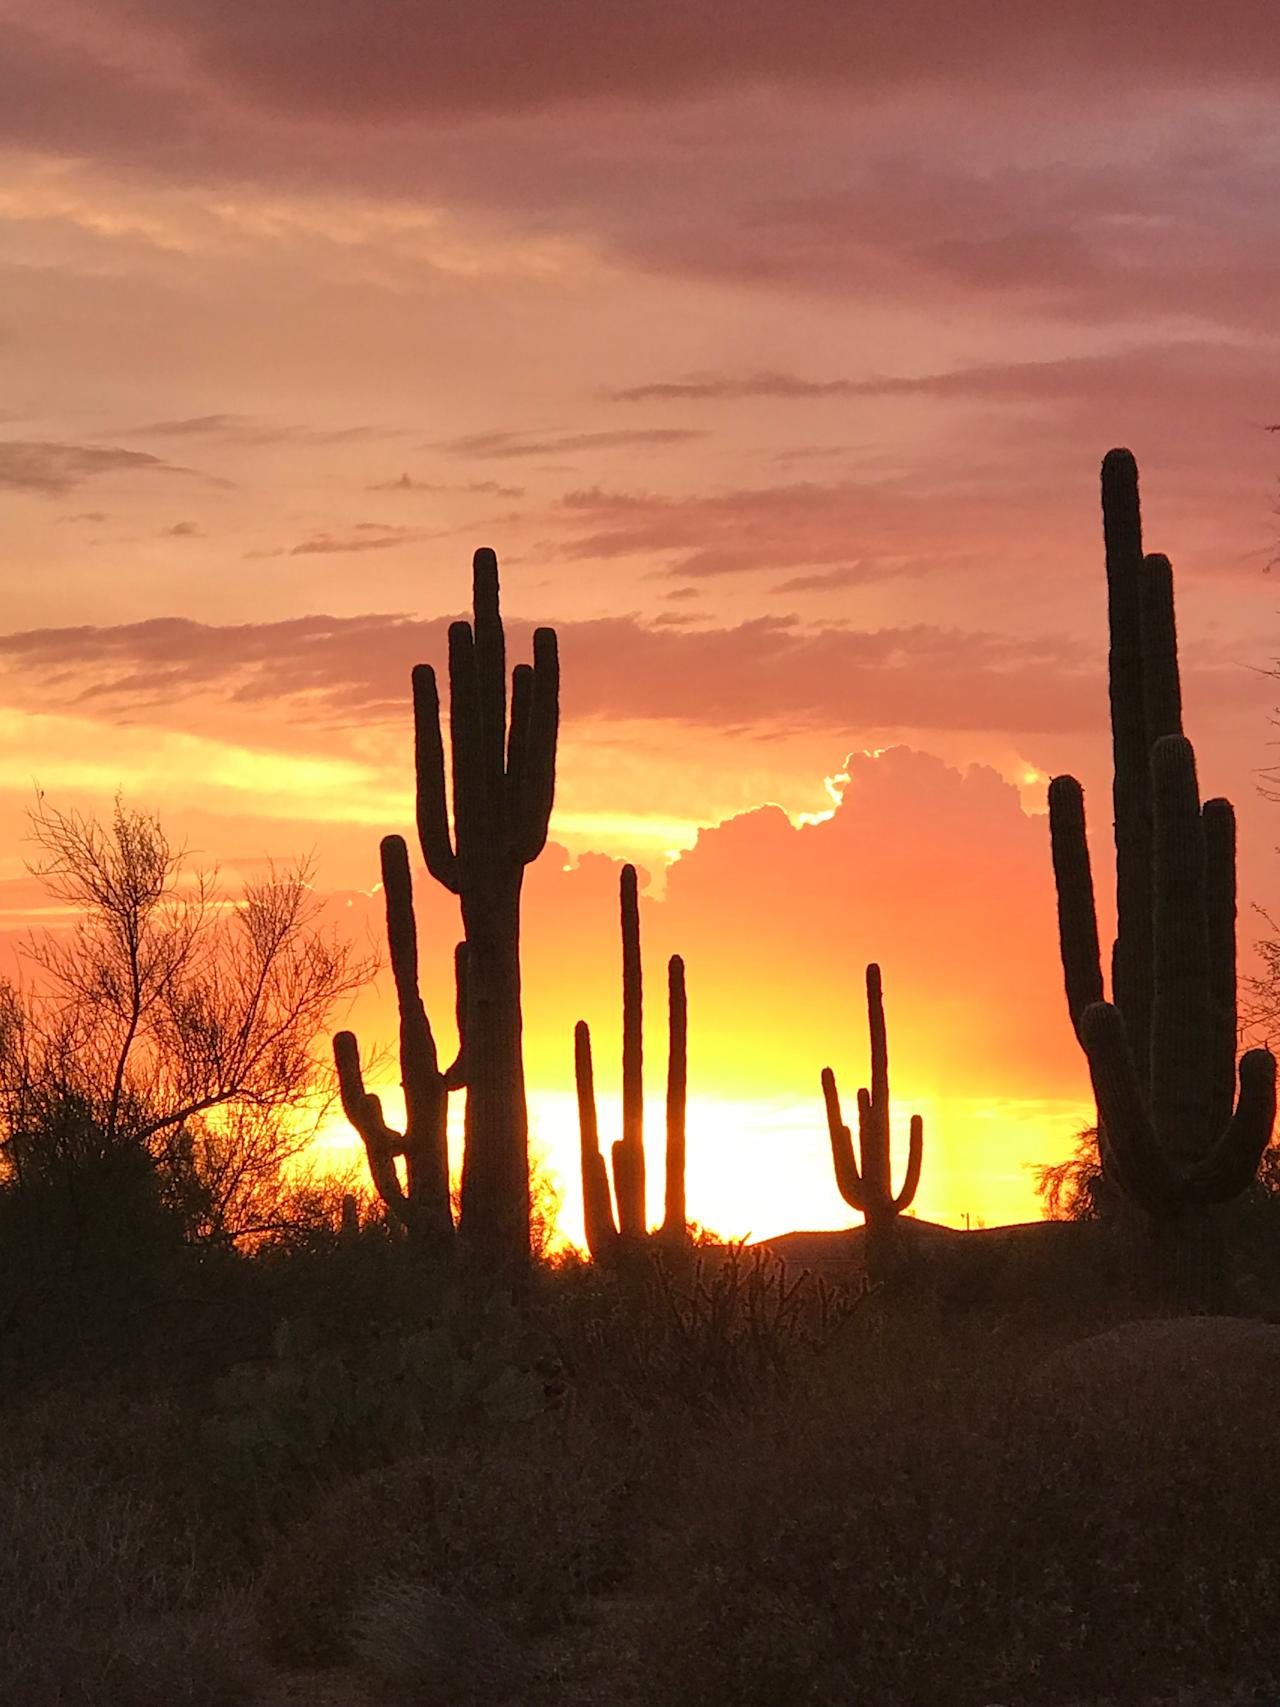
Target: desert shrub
{"x":314,"y":1411}
{"x":435,"y":1650}
{"x":932,"y":1527}
{"x":524,"y":1526}
{"x":106,"y":1595}
{"x":694,"y":1332}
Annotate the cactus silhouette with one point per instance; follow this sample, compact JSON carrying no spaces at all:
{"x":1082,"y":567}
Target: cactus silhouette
{"x":1162,"y":1053}
{"x":869,"y":1190}
{"x":676,"y":1217}
{"x":605,"y":1237}
{"x":421,"y":1204}
{"x":503,"y":774}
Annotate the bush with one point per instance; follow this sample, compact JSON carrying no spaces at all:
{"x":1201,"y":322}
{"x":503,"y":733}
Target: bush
{"x":315,"y":1412}
{"x":523,"y":1527}
{"x":435,"y":1650}
{"x":106,"y":1595}
{"x":931,"y":1527}
{"x":696,"y":1331}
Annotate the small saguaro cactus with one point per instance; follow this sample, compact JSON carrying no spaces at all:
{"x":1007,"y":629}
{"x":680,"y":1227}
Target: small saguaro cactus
{"x":503,"y":788}
{"x":421,"y":1204}
{"x":869,"y":1190}
{"x":605,"y":1237}
{"x":1162,"y":1053}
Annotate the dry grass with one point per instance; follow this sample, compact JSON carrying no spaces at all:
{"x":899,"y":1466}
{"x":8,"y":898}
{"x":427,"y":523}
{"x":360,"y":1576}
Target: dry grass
{"x":713,"y":1489}
{"x":104,"y":1600}
{"x":944,"y":1521}
{"x":423,"y":1648}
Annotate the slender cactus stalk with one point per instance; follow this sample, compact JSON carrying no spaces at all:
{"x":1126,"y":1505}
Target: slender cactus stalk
{"x":869,"y":1190}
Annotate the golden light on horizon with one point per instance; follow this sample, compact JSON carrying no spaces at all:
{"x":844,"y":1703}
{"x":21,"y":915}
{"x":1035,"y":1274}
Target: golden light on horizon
{"x":760,"y":1167}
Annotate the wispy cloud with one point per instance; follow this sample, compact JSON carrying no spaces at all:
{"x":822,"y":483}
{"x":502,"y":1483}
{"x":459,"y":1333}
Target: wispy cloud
{"x":248,"y":430}
{"x":361,"y":536}
{"x":53,"y":469}
{"x":499,"y":445}
{"x":481,"y":488}
{"x":722,"y":387}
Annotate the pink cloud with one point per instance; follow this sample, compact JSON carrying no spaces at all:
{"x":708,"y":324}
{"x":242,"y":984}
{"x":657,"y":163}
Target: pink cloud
{"x":772,"y":672}
{"x":326,"y":57}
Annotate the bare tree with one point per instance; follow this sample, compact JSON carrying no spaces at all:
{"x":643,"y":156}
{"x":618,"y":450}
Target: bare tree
{"x":1073,"y":1189}
{"x":169,"y":1018}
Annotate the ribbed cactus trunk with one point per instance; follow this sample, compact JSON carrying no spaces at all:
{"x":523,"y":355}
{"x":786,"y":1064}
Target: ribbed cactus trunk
{"x":1162,"y":1057}
{"x":503,"y":788}
{"x":495,"y":1158}
{"x":869,"y":1189}
{"x":597,"y":1206}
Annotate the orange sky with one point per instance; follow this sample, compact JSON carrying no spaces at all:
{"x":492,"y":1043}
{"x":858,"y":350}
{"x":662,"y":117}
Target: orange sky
{"x":777,"y":368}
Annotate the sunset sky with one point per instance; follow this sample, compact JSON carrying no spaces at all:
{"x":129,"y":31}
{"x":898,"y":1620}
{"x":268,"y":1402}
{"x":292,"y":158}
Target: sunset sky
{"x":774,"y":349}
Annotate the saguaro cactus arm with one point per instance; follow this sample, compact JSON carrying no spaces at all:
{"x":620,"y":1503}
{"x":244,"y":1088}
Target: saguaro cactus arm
{"x":455,"y":1078}
{"x":432,"y":806}
{"x":601,"y":1230}
{"x":535,"y":792}
{"x":364,"y":1111}
{"x":1143,"y":1166}
{"x":915,"y":1160}
{"x":848,"y":1179}
{"x":1077,"y":912}
{"x":1233,"y":1165}
{"x":1134,"y":1152}
{"x":1182,"y":1031}
{"x":1161,"y":687}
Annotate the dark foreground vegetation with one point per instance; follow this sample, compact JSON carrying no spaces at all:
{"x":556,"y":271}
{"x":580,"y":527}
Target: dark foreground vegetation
{"x":320,"y":1475}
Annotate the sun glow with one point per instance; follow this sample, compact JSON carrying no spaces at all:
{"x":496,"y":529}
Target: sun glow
{"x":759,"y":1167}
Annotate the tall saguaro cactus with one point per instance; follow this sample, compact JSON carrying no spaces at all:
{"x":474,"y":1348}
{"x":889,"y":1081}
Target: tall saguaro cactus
{"x":503,"y":773}
{"x":1162,"y":1053}
{"x":869,"y":1190}
{"x":421,"y":1204}
{"x":605,"y":1236}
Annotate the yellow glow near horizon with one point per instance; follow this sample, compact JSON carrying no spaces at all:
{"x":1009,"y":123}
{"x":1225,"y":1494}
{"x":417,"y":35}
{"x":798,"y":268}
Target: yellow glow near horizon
{"x":66,"y":754}
{"x":763,"y":1167}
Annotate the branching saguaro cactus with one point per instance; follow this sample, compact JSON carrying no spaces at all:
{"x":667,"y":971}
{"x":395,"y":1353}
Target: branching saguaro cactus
{"x":1162,"y":1053}
{"x":605,"y":1236}
{"x":420,"y":1204}
{"x":870,"y":1190}
{"x":503,"y":787}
